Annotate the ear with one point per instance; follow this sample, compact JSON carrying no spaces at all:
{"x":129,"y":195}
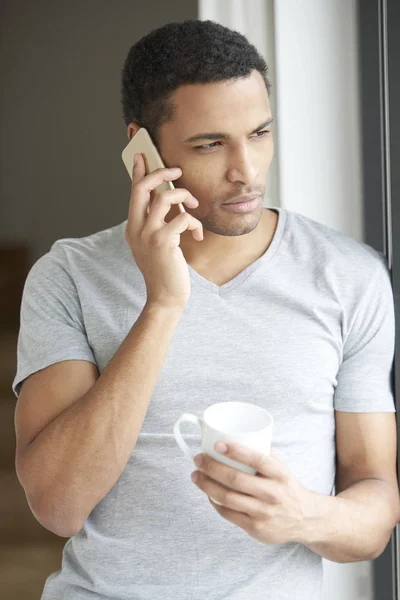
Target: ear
{"x":133,"y":128}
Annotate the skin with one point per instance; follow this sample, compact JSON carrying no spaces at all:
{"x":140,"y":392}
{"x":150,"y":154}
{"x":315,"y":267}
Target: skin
{"x":230,"y":168}
{"x":271,"y":506}
{"x":275,"y":508}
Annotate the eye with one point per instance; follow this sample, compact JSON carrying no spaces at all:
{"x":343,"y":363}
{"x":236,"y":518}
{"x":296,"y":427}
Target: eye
{"x":258,"y":134}
{"x":263,"y":133}
{"x":206,"y":146}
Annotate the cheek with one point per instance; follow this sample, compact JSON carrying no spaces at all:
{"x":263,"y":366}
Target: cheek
{"x":201,"y":185}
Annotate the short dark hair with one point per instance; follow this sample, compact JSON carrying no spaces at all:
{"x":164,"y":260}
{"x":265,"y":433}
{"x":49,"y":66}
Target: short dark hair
{"x":176,"y":54}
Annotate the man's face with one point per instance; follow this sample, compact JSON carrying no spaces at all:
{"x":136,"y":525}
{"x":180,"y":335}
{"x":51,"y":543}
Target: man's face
{"x":219,"y":170}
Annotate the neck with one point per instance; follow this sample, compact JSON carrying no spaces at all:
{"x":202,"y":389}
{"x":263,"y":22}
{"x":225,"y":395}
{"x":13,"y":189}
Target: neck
{"x":217,"y":249}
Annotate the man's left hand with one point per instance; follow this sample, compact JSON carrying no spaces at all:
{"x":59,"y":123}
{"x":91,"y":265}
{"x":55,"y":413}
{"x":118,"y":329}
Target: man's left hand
{"x":270,"y":506}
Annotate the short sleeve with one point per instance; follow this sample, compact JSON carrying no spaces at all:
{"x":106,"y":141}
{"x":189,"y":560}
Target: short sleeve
{"x":365,"y":374}
{"x":51,"y":322}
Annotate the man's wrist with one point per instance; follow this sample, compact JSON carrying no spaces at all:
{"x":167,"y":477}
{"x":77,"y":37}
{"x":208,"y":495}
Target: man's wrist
{"x":318,"y":519}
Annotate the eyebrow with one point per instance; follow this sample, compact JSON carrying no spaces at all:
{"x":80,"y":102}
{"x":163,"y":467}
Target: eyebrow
{"x":224,"y":136}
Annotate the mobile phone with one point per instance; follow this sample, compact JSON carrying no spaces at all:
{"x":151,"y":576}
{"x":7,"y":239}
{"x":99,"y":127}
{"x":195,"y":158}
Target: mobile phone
{"x":141,"y":143}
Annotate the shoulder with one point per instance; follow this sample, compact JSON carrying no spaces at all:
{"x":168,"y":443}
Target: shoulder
{"x":70,"y":259}
{"x":340,"y":257}
{"x":108,"y":242}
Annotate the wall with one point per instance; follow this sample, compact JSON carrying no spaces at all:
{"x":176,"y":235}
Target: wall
{"x":62,"y":131}
{"x":312,"y":48}
{"x":320,"y":152}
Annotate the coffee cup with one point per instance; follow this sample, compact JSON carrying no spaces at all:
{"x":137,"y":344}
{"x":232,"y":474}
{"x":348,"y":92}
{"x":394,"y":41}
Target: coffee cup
{"x":242,"y":422}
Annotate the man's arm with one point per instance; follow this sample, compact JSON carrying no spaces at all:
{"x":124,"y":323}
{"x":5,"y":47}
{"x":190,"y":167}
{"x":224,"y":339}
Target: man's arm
{"x":357,"y":523}
{"x":70,"y":462}
{"x":275,"y":508}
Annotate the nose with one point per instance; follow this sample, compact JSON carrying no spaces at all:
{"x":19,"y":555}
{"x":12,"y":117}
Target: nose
{"x":242,"y":167}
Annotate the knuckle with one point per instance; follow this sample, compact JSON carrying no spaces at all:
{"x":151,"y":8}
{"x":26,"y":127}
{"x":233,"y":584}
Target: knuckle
{"x":161,"y":173}
{"x":139,"y":186}
{"x":209,"y":467}
{"x":226,"y":497}
{"x":282,"y":478}
{"x":155,"y":240}
{"x":234,"y":479}
{"x":184,"y":217}
{"x":256,"y":528}
{"x":259,"y":464}
{"x":277,"y":497}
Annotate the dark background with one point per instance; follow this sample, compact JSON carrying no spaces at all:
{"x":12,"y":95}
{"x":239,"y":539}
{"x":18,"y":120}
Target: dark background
{"x":61,"y":175}
{"x":379,"y":38}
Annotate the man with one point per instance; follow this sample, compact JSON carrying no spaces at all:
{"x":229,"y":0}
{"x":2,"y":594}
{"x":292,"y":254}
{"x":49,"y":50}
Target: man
{"x":125,"y":329}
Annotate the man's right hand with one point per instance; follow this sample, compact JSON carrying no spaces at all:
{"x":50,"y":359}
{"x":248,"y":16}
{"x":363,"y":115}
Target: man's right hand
{"x":155,"y":243}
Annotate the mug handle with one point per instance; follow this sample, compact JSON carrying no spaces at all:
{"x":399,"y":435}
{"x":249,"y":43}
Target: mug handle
{"x":188,"y":418}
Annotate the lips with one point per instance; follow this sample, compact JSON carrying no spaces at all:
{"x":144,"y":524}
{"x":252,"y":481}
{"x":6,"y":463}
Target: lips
{"x":243,"y":199}
{"x":242,"y":207}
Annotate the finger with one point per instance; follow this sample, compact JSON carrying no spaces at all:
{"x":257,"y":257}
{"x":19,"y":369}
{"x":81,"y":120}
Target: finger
{"x":142,"y":186}
{"x":161,"y":206}
{"x":139,"y":172}
{"x":148,"y":183}
{"x":230,"y":498}
{"x":259,"y":487}
{"x":237,"y":518}
{"x":136,"y":214}
{"x":181,"y":223}
{"x":138,"y":169}
{"x":265,"y":465}
{"x":274,"y":454}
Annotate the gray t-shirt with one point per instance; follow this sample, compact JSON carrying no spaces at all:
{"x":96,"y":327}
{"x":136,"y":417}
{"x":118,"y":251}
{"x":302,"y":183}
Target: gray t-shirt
{"x":305,"y":330}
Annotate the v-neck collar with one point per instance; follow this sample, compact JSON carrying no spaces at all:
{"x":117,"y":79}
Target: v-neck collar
{"x":261,"y":261}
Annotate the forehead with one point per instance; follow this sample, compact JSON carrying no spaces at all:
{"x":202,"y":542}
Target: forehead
{"x":241,"y":103}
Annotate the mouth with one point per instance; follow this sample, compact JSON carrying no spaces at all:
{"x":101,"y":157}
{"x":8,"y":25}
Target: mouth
{"x":242,"y":199}
{"x":249,"y":204}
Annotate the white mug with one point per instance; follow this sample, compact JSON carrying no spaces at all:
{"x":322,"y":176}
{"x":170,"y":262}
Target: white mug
{"x":241,"y":422}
